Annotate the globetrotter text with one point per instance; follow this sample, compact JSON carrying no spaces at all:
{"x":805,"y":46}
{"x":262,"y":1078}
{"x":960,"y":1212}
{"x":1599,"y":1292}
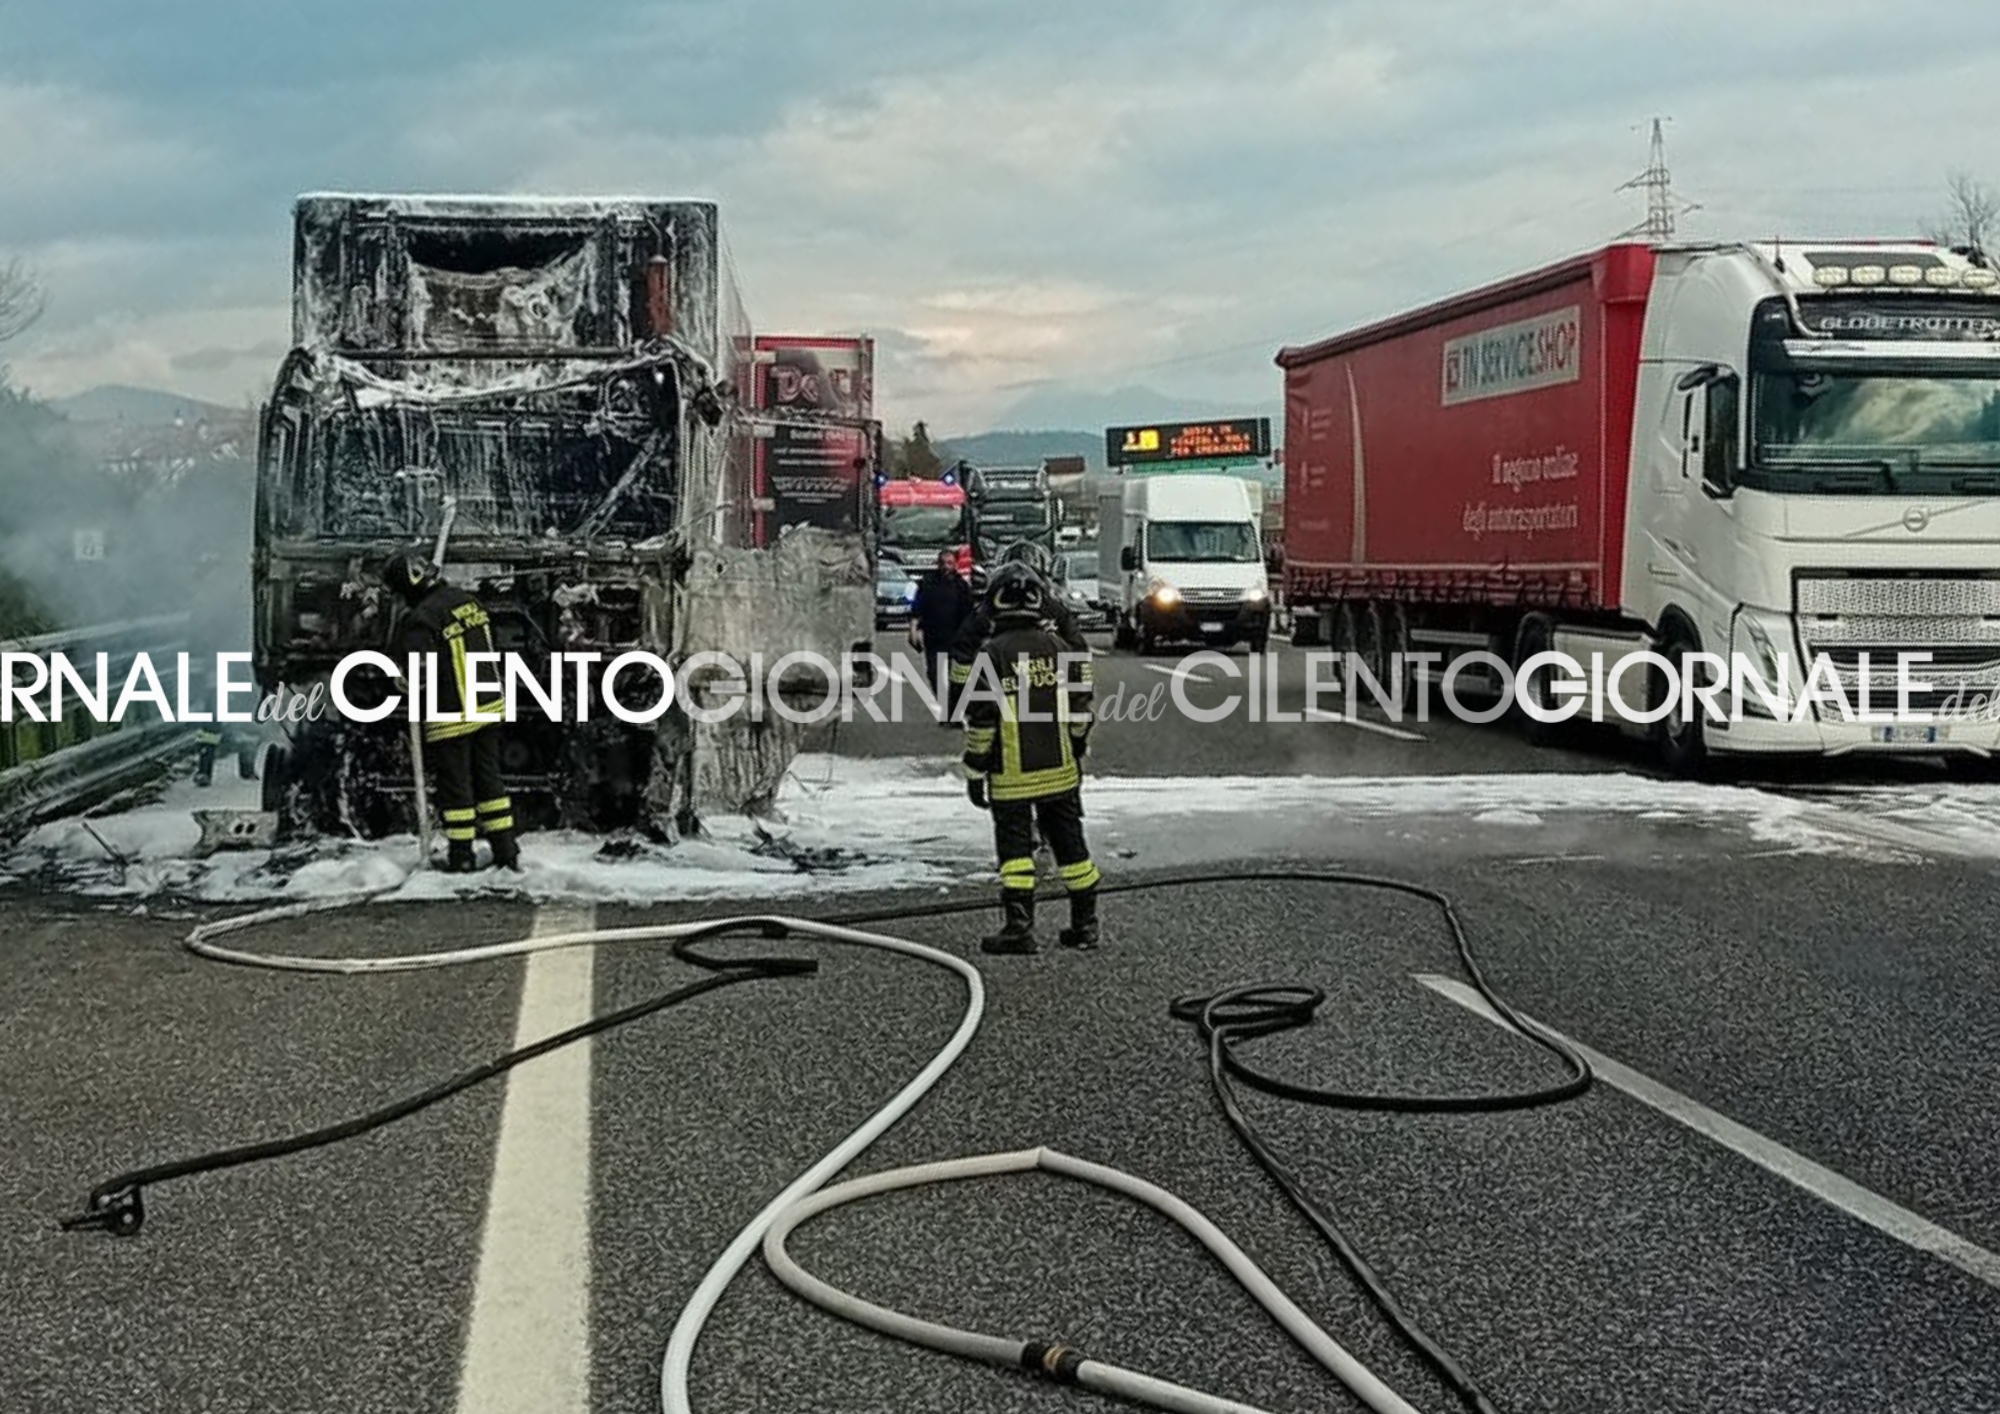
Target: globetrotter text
{"x":640,"y":687}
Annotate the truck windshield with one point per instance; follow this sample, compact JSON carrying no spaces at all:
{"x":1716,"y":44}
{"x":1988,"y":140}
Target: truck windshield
{"x":1202,"y":542}
{"x":1907,"y":429}
{"x":921,"y":527}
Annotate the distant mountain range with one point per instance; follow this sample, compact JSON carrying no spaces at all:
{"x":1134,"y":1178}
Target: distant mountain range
{"x":1067,"y":409}
{"x":140,"y":407}
{"x":1024,"y":448}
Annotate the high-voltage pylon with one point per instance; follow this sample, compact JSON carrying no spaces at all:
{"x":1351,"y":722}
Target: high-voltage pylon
{"x":1660,"y":203}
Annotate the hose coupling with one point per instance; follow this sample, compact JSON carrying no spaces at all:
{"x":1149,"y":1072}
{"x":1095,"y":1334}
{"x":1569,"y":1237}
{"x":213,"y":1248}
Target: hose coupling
{"x":1052,"y":1360}
{"x":120,"y":1212}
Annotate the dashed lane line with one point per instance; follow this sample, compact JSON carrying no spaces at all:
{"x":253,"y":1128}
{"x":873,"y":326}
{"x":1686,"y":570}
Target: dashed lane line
{"x":1795,"y":1168}
{"x":1320,"y":714}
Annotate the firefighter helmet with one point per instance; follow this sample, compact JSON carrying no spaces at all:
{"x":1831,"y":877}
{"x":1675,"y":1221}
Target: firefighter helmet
{"x":1016,"y":591}
{"x":1033,"y":554}
{"x":411,"y":574}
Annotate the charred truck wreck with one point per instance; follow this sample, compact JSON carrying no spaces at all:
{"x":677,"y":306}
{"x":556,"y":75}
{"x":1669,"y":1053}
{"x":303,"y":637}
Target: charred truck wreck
{"x":542,"y":395}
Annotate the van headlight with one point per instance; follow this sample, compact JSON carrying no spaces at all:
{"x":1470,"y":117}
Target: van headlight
{"x":1256,"y":594}
{"x":1165,"y":595}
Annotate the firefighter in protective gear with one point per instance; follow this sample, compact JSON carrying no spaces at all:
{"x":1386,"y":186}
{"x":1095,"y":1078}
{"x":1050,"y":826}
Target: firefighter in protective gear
{"x":464,"y":756}
{"x":1054,"y":615}
{"x":1027,"y":767}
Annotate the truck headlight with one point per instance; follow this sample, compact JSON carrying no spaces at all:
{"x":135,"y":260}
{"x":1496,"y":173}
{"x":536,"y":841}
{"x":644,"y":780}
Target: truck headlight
{"x":1256,"y":594}
{"x":1166,"y":596}
{"x":1761,"y":642}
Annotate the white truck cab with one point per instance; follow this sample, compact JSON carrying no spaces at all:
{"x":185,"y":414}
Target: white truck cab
{"x":1189,"y":561}
{"x":1816,"y":470}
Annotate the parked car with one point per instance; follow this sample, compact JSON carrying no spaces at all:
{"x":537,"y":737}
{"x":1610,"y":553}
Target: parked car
{"x":895,"y":594}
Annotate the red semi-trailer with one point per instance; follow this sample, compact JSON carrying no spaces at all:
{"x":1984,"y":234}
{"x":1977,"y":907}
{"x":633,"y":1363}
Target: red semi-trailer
{"x":1475,"y":450}
{"x":1790,"y":451}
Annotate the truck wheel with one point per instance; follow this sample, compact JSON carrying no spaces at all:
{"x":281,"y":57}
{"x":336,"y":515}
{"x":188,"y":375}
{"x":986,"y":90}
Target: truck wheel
{"x":1369,"y":639}
{"x":1396,"y":651}
{"x":1537,"y":635}
{"x":1346,"y":630}
{"x":1682,"y":740}
{"x":1121,"y":634}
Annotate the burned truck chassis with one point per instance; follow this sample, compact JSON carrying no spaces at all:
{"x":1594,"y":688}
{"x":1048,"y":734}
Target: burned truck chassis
{"x":341,"y":777}
{"x":547,"y":388}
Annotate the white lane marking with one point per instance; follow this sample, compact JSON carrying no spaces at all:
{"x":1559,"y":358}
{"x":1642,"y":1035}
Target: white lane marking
{"x":1795,"y":1168}
{"x":527,"y":1350}
{"x":1320,"y":714}
{"x":1191,"y":674}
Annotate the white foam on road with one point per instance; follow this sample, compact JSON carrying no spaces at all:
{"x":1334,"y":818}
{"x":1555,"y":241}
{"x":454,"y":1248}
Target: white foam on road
{"x":903,"y":822}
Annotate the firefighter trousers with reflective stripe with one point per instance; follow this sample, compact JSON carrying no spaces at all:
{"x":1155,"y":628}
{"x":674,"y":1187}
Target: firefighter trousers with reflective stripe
{"x":470,"y":792}
{"x":1061,"y":820}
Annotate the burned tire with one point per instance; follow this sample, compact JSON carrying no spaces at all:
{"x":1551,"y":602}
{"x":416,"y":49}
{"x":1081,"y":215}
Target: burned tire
{"x":276,"y":770}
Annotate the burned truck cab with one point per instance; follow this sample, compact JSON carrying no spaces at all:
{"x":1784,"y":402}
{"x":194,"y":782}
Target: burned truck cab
{"x":540,"y":394}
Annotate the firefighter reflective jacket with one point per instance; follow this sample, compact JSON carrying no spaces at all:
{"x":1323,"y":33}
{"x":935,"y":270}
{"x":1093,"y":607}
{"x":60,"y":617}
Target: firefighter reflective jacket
{"x":978,"y":628}
{"x":450,"y":623}
{"x":1037,"y":752}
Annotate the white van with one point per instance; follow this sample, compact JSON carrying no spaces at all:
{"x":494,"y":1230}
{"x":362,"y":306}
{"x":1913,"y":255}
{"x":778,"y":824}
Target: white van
{"x":1190,"y":561}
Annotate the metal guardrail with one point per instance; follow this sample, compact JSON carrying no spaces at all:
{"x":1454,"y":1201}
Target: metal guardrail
{"x":75,"y":761}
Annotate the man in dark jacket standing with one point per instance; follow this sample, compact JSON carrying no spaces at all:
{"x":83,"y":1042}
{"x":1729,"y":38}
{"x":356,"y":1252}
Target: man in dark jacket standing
{"x":464,"y":756}
{"x":943,"y":604}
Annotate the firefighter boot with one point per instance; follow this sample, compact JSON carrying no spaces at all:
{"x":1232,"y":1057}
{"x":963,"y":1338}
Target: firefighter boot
{"x":204,"y":766}
{"x":1017,"y":934}
{"x":459,"y":858}
{"x":506,"y":851}
{"x":1082,"y":931}
{"x":246,"y":764}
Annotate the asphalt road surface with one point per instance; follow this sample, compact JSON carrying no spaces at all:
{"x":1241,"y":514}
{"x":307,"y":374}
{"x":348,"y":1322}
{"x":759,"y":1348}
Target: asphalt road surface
{"x":1789,"y":1199}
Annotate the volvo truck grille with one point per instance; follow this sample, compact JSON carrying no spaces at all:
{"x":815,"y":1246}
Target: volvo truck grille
{"x":1956,"y":620}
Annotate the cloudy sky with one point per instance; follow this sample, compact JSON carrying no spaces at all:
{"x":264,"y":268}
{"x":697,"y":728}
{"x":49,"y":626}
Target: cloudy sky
{"x":1029,"y":203}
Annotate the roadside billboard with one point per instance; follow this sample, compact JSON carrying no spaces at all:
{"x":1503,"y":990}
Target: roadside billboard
{"x":814,"y":455}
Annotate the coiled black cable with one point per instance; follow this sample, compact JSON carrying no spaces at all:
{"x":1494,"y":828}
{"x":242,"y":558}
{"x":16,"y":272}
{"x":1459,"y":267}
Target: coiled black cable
{"x":1237,"y":1014}
{"x":118,"y":1205}
{"x":1247,"y":1012}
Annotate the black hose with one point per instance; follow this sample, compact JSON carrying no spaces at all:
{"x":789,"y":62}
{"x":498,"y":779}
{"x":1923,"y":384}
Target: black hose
{"x":1239,"y":1013}
{"x":118,"y":1205}
{"x":1247,"y":1012}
